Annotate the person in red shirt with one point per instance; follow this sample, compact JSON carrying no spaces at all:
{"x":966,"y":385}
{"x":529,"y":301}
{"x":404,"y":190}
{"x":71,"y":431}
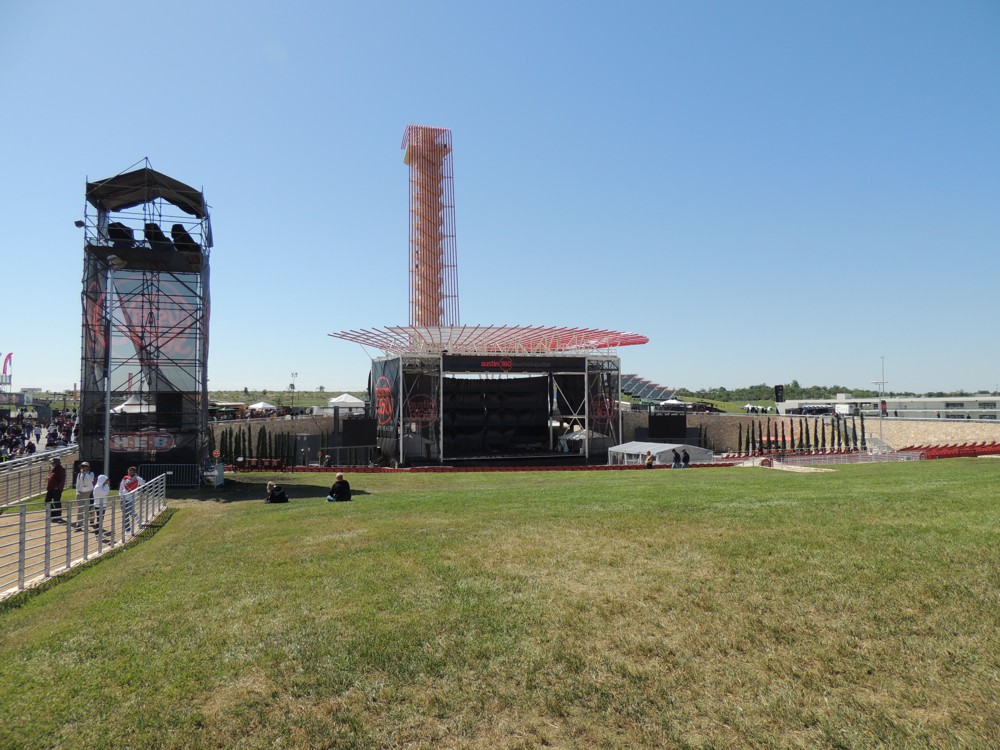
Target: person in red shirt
{"x":54,"y":485}
{"x":126,"y":490}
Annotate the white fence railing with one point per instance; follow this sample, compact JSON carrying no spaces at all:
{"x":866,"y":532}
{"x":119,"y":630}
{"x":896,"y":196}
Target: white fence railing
{"x":24,"y":478}
{"x":820,"y":459}
{"x":36,"y":544}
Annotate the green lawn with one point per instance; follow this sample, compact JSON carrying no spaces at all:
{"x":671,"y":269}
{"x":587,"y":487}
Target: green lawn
{"x":659,"y":609}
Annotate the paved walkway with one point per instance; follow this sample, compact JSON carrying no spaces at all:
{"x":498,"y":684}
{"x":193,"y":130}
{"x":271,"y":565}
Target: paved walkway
{"x":50,"y":548}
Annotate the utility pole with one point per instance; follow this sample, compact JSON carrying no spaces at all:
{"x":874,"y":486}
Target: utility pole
{"x":881,"y":397}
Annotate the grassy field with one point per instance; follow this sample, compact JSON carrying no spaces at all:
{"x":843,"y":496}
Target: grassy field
{"x":641,"y":609}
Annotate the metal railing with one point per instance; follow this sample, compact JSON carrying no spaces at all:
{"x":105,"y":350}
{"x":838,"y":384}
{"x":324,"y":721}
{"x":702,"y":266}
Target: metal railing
{"x":38,"y":542}
{"x":24,"y":477}
{"x":178,"y":475}
{"x":820,"y":459}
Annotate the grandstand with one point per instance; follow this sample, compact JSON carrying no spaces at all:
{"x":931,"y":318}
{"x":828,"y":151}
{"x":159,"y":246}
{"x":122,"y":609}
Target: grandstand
{"x":645,"y":391}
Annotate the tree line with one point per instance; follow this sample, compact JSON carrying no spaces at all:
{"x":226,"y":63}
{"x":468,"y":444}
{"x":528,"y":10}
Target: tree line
{"x":795,"y":391}
{"x":809,"y":435}
{"x":249,"y":442}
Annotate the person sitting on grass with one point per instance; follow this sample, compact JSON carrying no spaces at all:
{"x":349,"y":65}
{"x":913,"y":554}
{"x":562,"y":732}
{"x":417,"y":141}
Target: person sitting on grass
{"x":340,"y":491}
{"x":275,"y":494}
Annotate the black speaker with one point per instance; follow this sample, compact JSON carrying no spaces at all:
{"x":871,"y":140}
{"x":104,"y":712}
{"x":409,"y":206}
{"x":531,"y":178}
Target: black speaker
{"x":169,"y":410}
{"x":358,"y":432}
{"x":779,"y":394}
{"x":668,"y":427}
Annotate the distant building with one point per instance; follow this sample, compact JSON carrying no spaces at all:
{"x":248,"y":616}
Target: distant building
{"x":979,"y":406}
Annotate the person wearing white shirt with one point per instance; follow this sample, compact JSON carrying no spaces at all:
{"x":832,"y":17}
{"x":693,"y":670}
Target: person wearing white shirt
{"x":84,"y":495}
{"x":102,"y":488}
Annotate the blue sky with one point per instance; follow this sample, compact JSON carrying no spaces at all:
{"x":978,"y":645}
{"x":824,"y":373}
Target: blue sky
{"x":769,"y":191}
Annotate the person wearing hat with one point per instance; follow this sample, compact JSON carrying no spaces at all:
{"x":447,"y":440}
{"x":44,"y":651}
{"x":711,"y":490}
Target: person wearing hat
{"x":340,"y":491}
{"x":84,"y":495}
{"x":55,"y":482}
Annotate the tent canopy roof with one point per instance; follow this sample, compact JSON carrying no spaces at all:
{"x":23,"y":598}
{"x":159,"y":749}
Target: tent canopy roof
{"x":134,"y":405}
{"x":636,"y":447}
{"x":261,"y":405}
{"x":142,"y":186}
{"x":345,"y":399}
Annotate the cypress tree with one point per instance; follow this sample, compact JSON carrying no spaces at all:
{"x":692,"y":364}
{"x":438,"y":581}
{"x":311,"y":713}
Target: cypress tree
{"x":854,"y":433}
{"x":739,"y":439}
{"x":822,"y":442}
{"x":261,"y":447}
{"x":864,"y":445}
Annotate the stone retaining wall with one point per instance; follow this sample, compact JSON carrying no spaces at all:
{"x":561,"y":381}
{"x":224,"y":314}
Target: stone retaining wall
{"x":721,"y":431}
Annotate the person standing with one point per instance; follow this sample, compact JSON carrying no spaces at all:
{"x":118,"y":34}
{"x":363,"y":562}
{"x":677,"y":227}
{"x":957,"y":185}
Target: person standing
{"x":676,"y":464}
{"x":126,"y":490}
{"x":55,"y":482}
{"x":340,"y":491}
{"x":102,"y":488}
{"x":84,"y":495}
{"x":649,"y":459}
{"x":685,"y":459}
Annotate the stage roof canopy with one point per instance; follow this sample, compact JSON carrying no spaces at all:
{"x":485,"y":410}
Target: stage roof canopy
{"x":142,"y":186}
{"x":490,"y":339}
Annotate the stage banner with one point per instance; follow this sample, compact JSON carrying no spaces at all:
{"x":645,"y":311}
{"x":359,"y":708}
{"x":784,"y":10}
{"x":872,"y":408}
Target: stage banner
{"x":603,"y":393}
{"x":95,"y":352}
{"x":507,"y":363}
{"x":384,"y":395}
{"x":162,"y":323}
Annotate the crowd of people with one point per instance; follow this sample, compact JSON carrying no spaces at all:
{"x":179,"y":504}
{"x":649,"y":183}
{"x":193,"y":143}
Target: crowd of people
{"x":91,"y":496}
{"x":24,"y":437}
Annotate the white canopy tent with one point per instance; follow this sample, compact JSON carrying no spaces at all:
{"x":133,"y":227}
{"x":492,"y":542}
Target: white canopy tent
{"x":134,"y":405}
{"x":262,"y":406}
{"x":346,"y":401}
{"x":663,"y":453}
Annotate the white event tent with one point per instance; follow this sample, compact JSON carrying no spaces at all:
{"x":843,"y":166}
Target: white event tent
{"x":346,"y":401}
{"x":663,"y":453}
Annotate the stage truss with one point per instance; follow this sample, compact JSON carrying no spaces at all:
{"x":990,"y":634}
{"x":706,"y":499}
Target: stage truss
{"x":145,"y":323}
{"x":401,"y":340}
{"x":451,"y":408}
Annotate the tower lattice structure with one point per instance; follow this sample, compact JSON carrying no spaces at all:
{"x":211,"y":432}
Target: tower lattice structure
{"x":433,"y":251}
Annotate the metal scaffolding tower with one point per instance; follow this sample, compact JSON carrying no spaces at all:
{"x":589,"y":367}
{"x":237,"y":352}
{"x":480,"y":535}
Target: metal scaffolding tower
{"x":144,"y":373}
